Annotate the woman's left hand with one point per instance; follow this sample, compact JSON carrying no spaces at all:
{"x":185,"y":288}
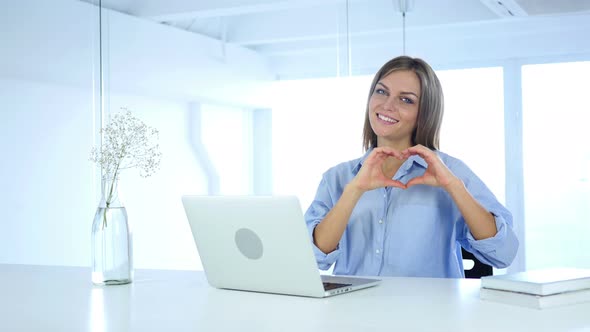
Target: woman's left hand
{"x":437,"y":174}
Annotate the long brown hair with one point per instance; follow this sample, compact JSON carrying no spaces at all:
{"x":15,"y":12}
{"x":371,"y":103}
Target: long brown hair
{"x":431,"y":108}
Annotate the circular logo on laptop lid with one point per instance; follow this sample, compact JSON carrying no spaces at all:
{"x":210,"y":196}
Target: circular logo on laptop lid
{"x":248,"y":243}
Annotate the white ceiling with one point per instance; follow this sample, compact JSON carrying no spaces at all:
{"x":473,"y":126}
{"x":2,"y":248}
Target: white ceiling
{"x":317,"y":34}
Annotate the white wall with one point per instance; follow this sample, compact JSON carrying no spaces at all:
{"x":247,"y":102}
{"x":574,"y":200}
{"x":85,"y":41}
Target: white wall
{"x":48,"y":198}
{"x":146,"y":58}
{"x":46,"y":123}
{"x":49,"y":118}
{"x":49,"y":41}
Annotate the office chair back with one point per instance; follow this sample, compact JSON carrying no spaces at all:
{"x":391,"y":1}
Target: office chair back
{"x":479,"y":269}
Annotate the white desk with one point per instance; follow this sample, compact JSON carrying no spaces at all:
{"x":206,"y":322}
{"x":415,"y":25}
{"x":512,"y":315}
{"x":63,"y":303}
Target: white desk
{"x":42,"y":298}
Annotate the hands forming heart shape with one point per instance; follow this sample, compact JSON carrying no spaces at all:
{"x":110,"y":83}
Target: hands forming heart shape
{"x":372,"y":176}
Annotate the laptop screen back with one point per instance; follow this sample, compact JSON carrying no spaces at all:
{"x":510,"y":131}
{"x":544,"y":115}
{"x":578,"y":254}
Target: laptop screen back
{"x":256,"y":243}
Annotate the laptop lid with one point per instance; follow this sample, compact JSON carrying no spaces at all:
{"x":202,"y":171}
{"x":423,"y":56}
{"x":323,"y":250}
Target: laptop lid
{"x":258,"y":243}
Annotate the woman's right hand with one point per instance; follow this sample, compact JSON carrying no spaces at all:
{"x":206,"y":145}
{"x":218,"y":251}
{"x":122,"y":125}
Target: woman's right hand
{"x":371,"y":175}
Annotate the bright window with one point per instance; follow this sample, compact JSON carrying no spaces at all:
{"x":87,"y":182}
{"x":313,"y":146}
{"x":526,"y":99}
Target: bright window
{"x":556,"y":164}
{"x":473,"y":124}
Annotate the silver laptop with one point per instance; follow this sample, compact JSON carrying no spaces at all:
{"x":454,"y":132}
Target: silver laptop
{"x":261,"y":244}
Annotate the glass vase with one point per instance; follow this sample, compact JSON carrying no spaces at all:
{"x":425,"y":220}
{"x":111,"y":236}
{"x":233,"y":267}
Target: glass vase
{"x":112,"y":262}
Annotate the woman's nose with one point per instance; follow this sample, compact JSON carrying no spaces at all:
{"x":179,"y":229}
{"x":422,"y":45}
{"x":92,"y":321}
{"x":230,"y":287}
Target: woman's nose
{"x":390,"y":104}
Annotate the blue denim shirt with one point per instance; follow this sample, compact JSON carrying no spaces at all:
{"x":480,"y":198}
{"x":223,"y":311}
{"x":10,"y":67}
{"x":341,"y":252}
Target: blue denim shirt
{"x":414,"y":232}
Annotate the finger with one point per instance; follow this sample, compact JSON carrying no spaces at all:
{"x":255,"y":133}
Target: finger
{"x":420,"y":150}
{"x":376,"y":155}
{"x":417,"y":149}
{"x":409,"y":152}
{"x":390,"y":152}
{"x":395,"y":183}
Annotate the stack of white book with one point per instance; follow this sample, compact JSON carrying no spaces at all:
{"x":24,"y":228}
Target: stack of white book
{"x":538,"y":288}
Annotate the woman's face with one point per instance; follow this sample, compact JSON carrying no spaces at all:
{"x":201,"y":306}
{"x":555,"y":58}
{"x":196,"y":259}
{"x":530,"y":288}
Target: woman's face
{"x":393,"y":107}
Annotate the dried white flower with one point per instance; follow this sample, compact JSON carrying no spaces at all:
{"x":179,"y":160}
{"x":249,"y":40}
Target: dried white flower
{"x":127,"y":143}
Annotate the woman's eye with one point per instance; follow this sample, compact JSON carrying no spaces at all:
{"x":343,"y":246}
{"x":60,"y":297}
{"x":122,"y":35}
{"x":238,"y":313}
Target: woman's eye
{"x":407,"y":100}
{"x":380,"y":91}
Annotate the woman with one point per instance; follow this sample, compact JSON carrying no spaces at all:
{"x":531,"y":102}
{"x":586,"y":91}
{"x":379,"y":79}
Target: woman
{"x":405,"y":208}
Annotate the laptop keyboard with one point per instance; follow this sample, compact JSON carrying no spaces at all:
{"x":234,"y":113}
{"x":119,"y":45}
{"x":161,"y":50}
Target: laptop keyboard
{"x":332,"y":285}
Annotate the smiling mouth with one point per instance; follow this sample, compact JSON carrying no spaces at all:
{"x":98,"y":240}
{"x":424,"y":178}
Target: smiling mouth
{"x":387,"y":119}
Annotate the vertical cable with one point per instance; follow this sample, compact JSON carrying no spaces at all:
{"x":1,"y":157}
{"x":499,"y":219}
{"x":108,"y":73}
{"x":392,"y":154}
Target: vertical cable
{"x":100,"y":70}
{"x":97,"y":116}
{"x":338,"y":44}
{"x":404,"y":32}
{"x":100,"y":83}
{"x":403,"y":6}
{"x":348,"y":49}
{"x":223,"y":25}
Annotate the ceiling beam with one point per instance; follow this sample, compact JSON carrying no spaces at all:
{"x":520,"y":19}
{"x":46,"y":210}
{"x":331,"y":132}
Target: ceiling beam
{"x":330,"y":21}
{"x":505,"y":8}
{"x":265,"y":41}
{"x":177,"y":10}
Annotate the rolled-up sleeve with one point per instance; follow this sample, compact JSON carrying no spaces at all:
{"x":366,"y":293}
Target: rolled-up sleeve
{"x":499,"y":250}
{"x":319,"y":208}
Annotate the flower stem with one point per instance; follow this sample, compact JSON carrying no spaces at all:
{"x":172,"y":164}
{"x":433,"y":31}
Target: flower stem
{"x":111,"y":187}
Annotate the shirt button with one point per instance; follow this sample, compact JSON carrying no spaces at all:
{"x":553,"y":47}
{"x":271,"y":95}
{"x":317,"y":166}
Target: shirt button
{"x":377,"y":251}
{"x":380,"y":221}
